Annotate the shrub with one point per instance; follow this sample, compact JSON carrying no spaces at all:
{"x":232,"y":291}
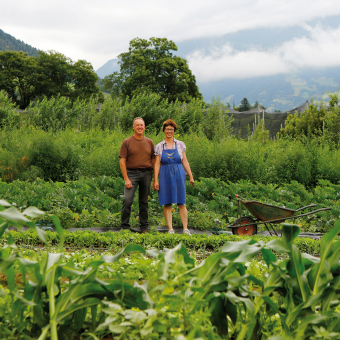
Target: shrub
{"x":57,"y":160}
{"x":53,"y":114}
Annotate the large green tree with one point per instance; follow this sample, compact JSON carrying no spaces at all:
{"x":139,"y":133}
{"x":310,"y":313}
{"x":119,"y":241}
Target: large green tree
{"x":27,"y":78}
{"x":20,"y":77}
{"x":150,"y":66}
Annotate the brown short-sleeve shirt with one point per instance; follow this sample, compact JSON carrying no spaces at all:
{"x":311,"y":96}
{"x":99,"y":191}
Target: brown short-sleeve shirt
{"x":137,"y":152}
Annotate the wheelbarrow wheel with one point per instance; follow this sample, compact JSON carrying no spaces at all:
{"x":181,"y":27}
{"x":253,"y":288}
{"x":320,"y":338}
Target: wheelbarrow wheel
{"x":246,"y":230}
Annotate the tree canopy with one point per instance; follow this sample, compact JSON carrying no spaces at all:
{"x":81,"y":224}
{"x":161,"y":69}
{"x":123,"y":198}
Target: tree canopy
{"x":150,"y":66}
{"x":27,"y":78}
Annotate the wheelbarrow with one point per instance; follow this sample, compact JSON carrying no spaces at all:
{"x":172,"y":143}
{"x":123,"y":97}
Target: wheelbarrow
{"x":266,"y":214}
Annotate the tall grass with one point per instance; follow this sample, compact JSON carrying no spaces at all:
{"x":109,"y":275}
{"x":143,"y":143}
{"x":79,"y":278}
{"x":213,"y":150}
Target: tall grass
{"x":27,"y":153}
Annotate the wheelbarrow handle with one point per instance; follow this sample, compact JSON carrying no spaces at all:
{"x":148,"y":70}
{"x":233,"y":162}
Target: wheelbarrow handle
{"x":238,"y":196}
{"x":307,"y":206}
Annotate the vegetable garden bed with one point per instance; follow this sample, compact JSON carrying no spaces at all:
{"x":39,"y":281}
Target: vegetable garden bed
{"x":134,"y":292}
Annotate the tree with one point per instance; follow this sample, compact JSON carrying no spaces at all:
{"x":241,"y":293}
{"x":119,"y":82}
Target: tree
{"x":308,"y":123}
{"x":85,"y":81}
{"x":67,"y":78}
{"x":57,"y":74}
{"x":149,"y":66}
{"x":245,"y":106}
{"x":20,"y":77}
{"x":51,"y":74}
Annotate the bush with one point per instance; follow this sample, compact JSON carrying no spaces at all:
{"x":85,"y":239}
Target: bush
{"x":94,"y":152}
{"x":57,"y":160}
{"x":51,"y":114}
{"x":291,"y":162}
{"x":216,"y":122}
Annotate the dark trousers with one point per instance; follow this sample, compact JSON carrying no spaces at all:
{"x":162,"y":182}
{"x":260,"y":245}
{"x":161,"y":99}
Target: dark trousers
{"x":143,"y":180}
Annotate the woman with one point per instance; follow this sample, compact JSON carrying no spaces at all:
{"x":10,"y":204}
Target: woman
{"x":171,"y":165}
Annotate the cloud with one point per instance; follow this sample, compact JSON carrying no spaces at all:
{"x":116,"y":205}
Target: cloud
{"x":321,"y":49}
{"x":99,"y":31}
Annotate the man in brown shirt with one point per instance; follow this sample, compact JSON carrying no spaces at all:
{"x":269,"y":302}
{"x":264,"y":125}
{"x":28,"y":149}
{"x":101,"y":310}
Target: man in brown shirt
{"x":136,"y":164}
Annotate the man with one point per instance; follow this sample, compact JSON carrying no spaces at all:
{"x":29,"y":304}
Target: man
{"x":137,"y":160}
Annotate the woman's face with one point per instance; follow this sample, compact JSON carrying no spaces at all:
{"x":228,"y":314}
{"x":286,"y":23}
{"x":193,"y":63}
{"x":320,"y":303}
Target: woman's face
{"x":169,"y":131}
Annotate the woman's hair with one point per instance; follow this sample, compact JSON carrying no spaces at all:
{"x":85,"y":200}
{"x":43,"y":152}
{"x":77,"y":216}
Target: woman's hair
{"x":169,"y":122}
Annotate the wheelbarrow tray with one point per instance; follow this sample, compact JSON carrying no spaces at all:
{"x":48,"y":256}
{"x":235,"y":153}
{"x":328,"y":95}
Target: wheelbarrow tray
{"x":268,"y":212}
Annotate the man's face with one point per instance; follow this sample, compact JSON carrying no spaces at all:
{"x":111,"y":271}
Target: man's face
{"x":138,"y":127}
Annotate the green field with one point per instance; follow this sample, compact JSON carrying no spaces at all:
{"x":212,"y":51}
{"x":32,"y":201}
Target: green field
{"x":59,"y":165}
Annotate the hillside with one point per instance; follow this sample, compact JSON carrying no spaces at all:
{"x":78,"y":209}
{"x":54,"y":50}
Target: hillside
{"x":108,"y":68}
{"x":9,"y":43}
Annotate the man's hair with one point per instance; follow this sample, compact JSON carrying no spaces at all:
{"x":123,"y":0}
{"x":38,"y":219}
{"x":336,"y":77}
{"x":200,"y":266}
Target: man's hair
{"x":169,"y":122}
{"x":136,"y":119}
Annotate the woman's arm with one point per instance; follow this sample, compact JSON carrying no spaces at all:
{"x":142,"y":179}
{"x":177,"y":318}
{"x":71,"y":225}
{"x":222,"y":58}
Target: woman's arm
{"x":187,"y":169}
{"x":157,"y":166}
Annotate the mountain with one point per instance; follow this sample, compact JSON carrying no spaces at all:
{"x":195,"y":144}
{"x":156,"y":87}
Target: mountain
{"x":9,"y":43}
{"x":108,"y":68}
{"x":277,"y":92}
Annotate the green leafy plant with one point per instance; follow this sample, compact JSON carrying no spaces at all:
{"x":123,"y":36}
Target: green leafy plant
{"x":296,"y":297}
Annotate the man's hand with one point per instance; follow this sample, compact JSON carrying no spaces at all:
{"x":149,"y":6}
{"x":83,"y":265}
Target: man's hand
{"x":128,"y":184}
{"x":192,"y":182}
{"x":155,"y":185}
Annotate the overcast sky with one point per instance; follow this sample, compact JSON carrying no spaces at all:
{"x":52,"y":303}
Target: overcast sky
{"x":98,"y":31}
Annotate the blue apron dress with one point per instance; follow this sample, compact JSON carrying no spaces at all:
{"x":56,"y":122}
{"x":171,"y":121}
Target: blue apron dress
{"x":171,"y":178}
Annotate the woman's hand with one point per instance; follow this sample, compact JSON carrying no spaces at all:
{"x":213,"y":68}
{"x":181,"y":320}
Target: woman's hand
{"x":192,"y":182}
{"x":155,"y":185}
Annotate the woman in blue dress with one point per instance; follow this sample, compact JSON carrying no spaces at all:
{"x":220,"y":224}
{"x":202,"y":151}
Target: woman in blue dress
{"x":169,"y":178}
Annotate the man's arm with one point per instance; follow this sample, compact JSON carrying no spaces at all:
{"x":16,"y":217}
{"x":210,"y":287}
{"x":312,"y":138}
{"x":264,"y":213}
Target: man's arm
{"x":128,"y":183}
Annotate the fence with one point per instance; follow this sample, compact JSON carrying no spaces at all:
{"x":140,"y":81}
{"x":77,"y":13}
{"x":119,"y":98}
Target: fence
{"x":273,"y":121}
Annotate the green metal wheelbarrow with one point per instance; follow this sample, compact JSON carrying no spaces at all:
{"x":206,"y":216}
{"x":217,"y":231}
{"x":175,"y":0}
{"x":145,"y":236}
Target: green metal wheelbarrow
{"x":266,"y":214}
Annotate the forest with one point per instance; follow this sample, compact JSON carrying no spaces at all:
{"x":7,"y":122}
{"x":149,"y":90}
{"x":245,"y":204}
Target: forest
{"x":9,"y":43}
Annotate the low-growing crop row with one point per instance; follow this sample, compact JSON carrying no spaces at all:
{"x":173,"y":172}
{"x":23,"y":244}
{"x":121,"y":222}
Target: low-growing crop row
{"x":117,"y":240}
{"x":96,"y":202}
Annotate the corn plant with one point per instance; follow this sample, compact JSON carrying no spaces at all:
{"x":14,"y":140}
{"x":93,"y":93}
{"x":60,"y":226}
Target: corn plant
{"x":216,"y":299}
{"x":53,"y":306}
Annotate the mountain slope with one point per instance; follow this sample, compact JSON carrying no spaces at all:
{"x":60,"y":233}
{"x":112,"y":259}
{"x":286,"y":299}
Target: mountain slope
{"x":9,"y":43}
{"x":108,"y":68}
